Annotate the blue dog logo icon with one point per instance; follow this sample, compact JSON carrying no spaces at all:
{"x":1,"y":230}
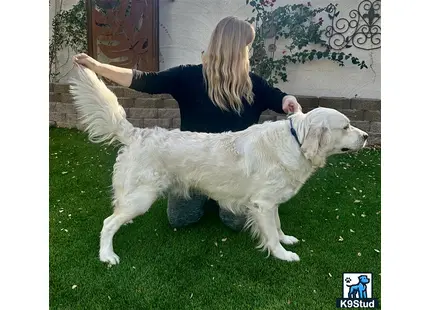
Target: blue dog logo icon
{"x":358,"y":290}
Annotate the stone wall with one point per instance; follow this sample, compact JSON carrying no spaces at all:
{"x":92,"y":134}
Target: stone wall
{"x":144,"y":110}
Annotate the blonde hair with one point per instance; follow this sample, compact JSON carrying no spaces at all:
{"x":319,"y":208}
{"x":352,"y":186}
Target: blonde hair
{"x":226,"y":64}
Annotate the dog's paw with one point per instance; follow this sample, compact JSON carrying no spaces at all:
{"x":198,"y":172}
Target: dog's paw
{"x":283,"y":254}
{"x":288,"y":240}
{"x":110,"y":258}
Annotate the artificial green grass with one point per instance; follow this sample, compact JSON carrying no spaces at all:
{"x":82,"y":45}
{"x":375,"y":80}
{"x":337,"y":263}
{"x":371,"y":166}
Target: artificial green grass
{"x":193,"y":268}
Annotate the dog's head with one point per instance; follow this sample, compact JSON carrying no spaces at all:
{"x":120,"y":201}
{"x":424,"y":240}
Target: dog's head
{"x":329,"y":132}
{"x":363,"y":279}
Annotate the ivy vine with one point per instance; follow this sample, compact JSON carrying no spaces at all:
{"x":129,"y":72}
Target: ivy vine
{"x":295,"y":24}
{"x":69,"y":30}
{"x":298,"y":28}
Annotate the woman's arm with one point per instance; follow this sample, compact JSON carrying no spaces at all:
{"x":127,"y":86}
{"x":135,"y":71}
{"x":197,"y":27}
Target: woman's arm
{"x":273,"y":98}
{"x":164,"y":82}
{"x":121,"y":76}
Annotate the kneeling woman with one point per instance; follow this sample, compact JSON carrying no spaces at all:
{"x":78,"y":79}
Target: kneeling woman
{"x":218,"y":95}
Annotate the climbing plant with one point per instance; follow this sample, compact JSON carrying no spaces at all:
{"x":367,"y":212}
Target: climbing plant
{"x":299,"y":28}
{"x":69,"y":30}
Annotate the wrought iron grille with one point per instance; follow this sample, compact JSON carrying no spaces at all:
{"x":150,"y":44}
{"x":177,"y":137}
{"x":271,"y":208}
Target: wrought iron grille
{"x":362,"y":29}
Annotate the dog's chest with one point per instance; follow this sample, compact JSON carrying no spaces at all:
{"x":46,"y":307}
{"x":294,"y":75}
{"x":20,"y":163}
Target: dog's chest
{"x":290,"y":182}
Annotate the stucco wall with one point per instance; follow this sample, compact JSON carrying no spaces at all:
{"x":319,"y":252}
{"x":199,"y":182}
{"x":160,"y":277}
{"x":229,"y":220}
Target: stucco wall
{"x":64,"y":64}
{"x":186,"y":25}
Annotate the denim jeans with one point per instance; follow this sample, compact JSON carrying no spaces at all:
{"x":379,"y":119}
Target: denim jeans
{"x":182,"y":212}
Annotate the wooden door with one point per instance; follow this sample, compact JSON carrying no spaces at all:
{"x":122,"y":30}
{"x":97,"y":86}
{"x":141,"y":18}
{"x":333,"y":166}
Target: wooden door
{"x":124,"y":33}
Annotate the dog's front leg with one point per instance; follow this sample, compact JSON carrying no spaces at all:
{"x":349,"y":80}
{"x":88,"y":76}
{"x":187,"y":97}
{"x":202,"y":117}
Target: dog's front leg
{"x":362,"y":292}
{"x":285,"y":239}
{"x":265,"y":224}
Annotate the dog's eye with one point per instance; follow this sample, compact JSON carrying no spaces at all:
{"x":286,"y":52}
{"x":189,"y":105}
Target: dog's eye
{"x":346,"y":127}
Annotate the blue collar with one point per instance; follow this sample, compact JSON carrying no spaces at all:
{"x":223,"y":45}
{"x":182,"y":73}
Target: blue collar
{"x":293,"y":132}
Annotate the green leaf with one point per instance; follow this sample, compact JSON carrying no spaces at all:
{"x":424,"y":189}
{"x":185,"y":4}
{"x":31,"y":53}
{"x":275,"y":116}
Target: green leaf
{"x":295,"y":24}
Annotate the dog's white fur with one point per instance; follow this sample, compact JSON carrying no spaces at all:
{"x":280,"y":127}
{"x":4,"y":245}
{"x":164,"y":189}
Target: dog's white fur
{"x":249,"y":172}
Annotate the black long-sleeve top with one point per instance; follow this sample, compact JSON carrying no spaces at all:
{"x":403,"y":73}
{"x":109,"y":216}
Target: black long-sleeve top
{"x":198,"y":113}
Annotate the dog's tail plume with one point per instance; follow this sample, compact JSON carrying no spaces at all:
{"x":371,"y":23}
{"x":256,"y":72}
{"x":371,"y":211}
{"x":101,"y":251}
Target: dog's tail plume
{"x":98,"y":109}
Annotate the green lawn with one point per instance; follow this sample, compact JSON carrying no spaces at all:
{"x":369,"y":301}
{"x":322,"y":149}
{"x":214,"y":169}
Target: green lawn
{"x":193,"y":268}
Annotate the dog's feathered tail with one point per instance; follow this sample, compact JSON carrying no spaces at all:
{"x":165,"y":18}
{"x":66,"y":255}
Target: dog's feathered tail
{"x":98,"y":109}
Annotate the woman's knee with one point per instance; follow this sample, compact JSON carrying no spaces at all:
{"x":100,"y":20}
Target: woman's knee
{"x":182,"y":212}
{"x":231,"y":220}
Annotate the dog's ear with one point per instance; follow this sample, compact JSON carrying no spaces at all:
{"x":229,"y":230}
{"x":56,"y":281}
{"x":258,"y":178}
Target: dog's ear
{"x":317,"y":138}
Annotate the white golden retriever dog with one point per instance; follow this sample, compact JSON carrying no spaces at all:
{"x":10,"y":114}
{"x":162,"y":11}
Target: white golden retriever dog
{"x":248,"y":172}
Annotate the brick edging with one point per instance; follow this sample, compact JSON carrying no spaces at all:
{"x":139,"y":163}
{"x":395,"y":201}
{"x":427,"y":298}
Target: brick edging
{"x":146,"y":110}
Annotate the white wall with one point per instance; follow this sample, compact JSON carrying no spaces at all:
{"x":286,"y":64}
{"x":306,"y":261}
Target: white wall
{"x":64,"y":64}
{"x":186,"y":25}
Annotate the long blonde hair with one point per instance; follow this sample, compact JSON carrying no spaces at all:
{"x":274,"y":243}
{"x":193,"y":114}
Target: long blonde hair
{"x":226,"y":64}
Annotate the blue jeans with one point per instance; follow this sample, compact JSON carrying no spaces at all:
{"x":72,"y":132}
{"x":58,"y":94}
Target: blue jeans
{"x":182,"y":212}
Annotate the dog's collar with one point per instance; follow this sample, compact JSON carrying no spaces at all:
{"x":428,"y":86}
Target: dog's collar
{"x":294,"y":132}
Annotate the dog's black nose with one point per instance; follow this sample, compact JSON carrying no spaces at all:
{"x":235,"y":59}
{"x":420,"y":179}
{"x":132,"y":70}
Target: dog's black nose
{"x":365,"y":136}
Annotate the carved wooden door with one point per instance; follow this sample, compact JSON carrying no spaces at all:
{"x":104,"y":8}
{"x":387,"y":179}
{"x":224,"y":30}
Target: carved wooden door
{"x":124,"y":33}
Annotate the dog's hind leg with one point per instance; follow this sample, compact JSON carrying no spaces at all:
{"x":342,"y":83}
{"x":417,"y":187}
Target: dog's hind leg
{"x":351,"y":293}
{"x":127,"y":207}
{"x":285,"y":239}
{"x":263,"y":224}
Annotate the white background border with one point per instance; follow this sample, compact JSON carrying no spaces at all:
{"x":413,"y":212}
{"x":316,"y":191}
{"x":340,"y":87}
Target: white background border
{"x":24,"y":96}
{"x":24,"y":159}
{"x":405,"y":155}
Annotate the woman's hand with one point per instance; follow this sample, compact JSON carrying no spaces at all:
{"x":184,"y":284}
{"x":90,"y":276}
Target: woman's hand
{"x":290,"y":105}
{"x":87,"y":61}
